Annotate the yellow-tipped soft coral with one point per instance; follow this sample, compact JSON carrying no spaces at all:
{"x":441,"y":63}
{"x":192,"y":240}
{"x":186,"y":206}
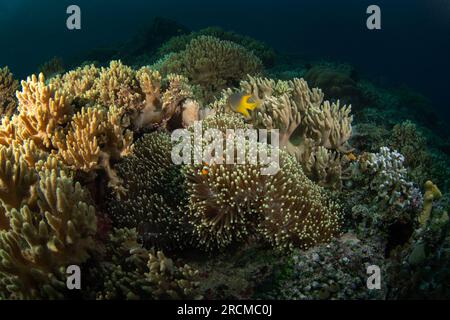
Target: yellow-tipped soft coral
{"x":16,"y":178}
{"x":8,"y":88}
{"x":140,"y":100}
{"x":80,"y":148}
{"x":45,"y":232}
{"x":432,"y":193}
{"x":96,"y":138}
{"x":42,"y":112}
{"x":305,"y":122}
{"x":77,"y":83}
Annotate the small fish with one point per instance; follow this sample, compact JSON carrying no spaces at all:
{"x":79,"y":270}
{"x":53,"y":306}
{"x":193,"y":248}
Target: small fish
{"x":239,"y":102}
{"x":205,"y":169}
{"x":351,"y":156}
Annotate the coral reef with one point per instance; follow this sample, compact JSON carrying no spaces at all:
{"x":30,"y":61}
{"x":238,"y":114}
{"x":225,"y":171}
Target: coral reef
{"x":233,"y":203}
{"x":154,"y":197}
{"x":305,"y":122}
{"x":8,"y":88}
{"x":179,"y":43}
{"x":130,"y":272}
{"x":335,"y":83}
{"x":88,"y":177}
{"x":333,"y":271}
{"x":212,"y":64}
{"x":48,"y":223}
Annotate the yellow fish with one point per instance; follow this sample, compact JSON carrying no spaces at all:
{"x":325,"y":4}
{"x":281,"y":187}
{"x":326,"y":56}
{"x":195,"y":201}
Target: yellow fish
{"x":351,"y":156}
{"x":239,"y":102}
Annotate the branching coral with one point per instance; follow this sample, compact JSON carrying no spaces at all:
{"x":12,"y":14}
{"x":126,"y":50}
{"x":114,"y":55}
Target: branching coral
{"x":139,"y":96}
{"x":389,"y":179}
{"x":212,"y":64}
{"x":153,"y":200}
{"x":49,"y":226}
{"x":8,"y":88}
{"x":43,"y":111}
{"x":305,"y":122}
{"x":129,"y":271}
{"x":86,"y":141}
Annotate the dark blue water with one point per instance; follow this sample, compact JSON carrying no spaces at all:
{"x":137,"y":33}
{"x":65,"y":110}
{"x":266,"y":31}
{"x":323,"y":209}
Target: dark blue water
{"x":413,"y":48}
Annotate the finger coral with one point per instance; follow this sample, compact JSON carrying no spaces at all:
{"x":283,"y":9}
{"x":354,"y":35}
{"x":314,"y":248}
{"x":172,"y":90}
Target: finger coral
{"x":87,"y":140}
{"x":212,"y":64}
{"x":49,"y":225}
{"x":8,"y":88}
{"x":140,"y":97}
{"x":305,"y":122}
{"x":43,"y":111}
{"x":130,"y":272}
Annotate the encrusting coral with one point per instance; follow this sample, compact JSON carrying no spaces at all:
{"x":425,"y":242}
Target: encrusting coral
{"x":212,"y":64}
{"x":305,"y":122}
{"x":8,"y":88}
{"x":47,"y":224}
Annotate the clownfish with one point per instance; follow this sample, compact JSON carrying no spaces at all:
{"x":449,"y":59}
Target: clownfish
{"x":239,"y":102}
{"x":205,"y":169}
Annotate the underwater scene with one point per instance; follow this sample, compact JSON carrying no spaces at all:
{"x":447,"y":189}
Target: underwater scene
{"x":224,"y":150}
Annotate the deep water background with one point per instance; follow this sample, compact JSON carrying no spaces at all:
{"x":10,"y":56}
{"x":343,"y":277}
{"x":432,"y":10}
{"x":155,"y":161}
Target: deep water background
{"x":413,"y":48}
